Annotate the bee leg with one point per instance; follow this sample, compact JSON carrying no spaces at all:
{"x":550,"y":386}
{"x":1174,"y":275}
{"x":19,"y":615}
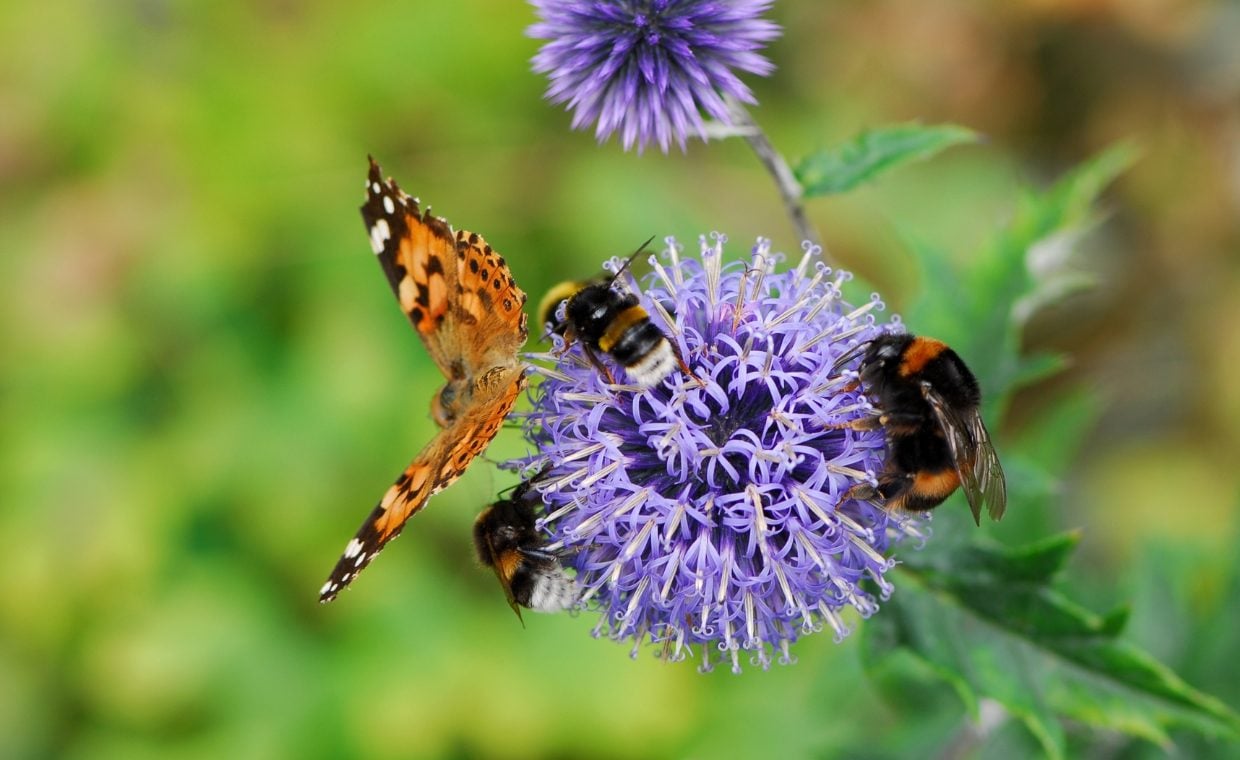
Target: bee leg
{"x":685,"y":367}
{"x":598,"y":365}
{"x":893,"y":423}
{"x":859,"y":492}
{"x":569,"y":337}
{"x":862,"y":424}
{"x":539,"y":554}
{"x":890,"y":493}
{"x":901,"y":424}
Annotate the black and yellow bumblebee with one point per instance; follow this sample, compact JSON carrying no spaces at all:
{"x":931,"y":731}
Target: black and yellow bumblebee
{"x":507,"y":541}
{"x":929,"y":406}
{"x":612,"y":321}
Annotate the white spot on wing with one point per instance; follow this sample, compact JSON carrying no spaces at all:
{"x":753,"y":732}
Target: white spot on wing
{"x":380,"y":233}
{"x":353,"y":548}
{"x":388,"y":206}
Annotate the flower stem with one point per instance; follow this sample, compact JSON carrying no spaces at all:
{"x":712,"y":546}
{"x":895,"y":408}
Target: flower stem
{"x":786,"y":182}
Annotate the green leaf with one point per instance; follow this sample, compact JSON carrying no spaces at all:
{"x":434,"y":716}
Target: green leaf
{"x":989,"y":622}
{"x":873,"y":153}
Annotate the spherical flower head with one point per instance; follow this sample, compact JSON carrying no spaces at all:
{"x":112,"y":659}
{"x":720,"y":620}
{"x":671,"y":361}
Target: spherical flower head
{"x":709,"y":512}
{"x":649,"y":68}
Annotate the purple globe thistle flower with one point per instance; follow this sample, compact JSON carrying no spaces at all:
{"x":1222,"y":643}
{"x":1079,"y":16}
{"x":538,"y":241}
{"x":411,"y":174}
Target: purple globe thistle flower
{"x":648,"y":68}
{"x":709,"y":513}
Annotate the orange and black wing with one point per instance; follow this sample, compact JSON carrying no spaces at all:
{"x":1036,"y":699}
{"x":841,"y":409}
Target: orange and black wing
{"x":438,"y":466}
{"x":463,"y":302}
{"x":456,"y":290}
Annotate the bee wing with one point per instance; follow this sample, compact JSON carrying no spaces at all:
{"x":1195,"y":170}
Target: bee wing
{"x":499,"y":567}
{"x":981,"y":475}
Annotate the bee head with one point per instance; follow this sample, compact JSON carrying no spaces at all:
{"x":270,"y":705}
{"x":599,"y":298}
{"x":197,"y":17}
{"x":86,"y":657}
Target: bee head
{"x":884,"y":349}
{"x":877,"y":355}
{"x":594,"y":306}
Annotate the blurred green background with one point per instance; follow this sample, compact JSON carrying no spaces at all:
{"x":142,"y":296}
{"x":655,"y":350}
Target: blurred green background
{"x":205,"y":383}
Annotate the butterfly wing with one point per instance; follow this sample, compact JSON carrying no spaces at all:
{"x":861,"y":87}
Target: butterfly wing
{"x":438,"y":466}
{"x":456,"y":290}
{"x":417,"y":252}
{"x":977,"y":464}
{"x":463,"y":302}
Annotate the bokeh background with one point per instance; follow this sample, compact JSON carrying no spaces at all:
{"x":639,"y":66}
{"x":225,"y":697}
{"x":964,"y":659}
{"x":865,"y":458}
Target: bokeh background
{"x":205,"y":384}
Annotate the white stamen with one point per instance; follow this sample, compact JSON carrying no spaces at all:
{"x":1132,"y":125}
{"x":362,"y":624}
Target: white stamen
{"x":674,"y":523}
{"x":583,"y":453}
{"x":662,"y":275}
{"x":596,"y":477}
{"x":594,"y":399}
{"x":587,"y":526}
{"x":854,"y":526}
{"x":554,"y":374}
{"x":869,"y":551}
{"x":850,"y":472}
{"x":727,"y":574}
{"x":812,"y":505}
{"x":852,"y":315}
{"x":808,"y":547}
{"x":673,"y":251}
{"x":751,"y":630}
{"x":674,"y":565}
{"x":759,"y":516}
{"x":637,"y":596}
{"x":668,"y":322}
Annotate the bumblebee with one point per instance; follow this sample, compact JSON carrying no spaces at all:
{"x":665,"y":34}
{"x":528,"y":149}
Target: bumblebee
{"x":929,"y":407}
{"x":506,"y":541}
{"x":611,"y":321}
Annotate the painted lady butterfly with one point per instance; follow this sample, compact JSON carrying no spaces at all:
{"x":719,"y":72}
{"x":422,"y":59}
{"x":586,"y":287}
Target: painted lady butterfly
{"x":463,"y":302}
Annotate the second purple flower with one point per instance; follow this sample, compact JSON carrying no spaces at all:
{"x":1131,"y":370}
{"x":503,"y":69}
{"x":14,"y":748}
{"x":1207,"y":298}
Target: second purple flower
{"x":648,"y":69}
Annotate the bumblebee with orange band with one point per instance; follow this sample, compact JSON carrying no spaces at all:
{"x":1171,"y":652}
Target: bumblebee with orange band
{"x":613,"y":322}
{"x":507,"y":540}
{"x":929,"y":406}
